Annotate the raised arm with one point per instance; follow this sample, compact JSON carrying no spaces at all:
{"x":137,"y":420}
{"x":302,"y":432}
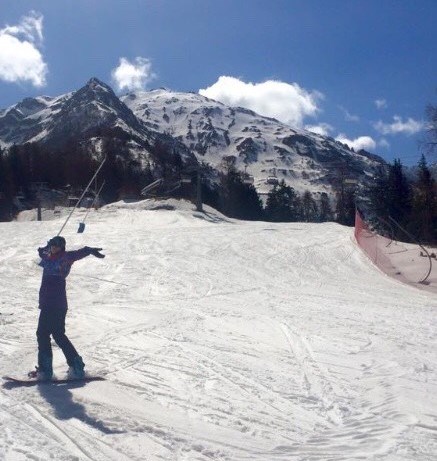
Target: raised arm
{"x":83,"y":253}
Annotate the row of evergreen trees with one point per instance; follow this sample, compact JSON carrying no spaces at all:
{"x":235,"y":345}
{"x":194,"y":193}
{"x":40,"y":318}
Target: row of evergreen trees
{"x":283,"y":204}
{"x":23,"y":166}
{"x":412,"y":203}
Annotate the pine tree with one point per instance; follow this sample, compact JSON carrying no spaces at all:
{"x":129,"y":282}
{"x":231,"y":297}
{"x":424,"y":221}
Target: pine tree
{"x":377,"y":193}
{"x":325,"y":210}
{"x":283,"y":204}
{"x":237,"y":199}
{"x":398,"y":193}
{"x":7,"y":189}
{"x":390,"y":194}
{"x":424,"y":209}
{"x":309,"y":207}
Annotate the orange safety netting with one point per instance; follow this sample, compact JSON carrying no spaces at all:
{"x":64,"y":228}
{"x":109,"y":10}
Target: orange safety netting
{"x":374,"y":245}
{"x":403,"y":261}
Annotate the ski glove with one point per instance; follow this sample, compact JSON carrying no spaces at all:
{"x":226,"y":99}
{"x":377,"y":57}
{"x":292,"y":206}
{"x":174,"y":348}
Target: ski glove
{"x":96,"y":252}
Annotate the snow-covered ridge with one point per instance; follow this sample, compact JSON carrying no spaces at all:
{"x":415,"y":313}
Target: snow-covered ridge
{"x":261,"y":146}
{"x":193,"y":125}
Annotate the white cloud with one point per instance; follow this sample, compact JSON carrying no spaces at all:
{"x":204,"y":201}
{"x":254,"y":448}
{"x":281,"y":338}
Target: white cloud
{"x":384,"y":143}
{"x":398,"y":126}
{"x":323,"y":129}
{"x":348,"y":116}
{"x":287,"y":102}
{"x":381,"y":104}
{"x":362,"y":142}
{"x":29,"y":28}
{"x":133,"y":75}
{"x":20,"y":58}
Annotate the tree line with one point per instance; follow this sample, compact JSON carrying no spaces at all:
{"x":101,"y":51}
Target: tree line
{"x":69,"y":169}
{"x":410,"y":202}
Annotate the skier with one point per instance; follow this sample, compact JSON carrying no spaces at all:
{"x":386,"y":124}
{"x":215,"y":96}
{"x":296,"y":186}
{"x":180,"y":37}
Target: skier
{"x":57,"y":263}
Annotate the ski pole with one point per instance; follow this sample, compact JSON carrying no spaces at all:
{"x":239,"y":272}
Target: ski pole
{"x":82,"y":224}
{"x":81,"y":197}
{"x":102,"y":280}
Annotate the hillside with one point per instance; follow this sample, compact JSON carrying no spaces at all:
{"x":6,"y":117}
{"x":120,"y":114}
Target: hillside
{"x":190,"y":126}
{"x":263,"y":147}
{"x":84,"y":117}
{"x":219,"y":340}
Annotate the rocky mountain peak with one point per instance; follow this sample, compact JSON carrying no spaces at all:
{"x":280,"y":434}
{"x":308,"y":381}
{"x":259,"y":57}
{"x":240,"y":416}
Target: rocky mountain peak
{"x":93,"y":106}
{"x":97,"y":87}
{"x":94,"y":81}
{"x":97,"y":91}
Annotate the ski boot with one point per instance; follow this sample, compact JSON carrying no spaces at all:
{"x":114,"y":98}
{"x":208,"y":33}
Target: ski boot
{"x":76,"y":370}
{"x":44,"y":370}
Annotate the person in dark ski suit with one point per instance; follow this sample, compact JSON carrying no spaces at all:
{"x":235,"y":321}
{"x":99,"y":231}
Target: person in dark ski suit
{"x":53,"y":306}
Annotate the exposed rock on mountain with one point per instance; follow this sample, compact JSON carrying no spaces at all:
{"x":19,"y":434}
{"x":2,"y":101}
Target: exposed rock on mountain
{"x":263,"y":147}
{"x":188,"y":125}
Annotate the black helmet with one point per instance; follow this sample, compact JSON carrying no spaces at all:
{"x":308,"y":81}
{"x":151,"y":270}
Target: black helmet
{"x":57,"y":241}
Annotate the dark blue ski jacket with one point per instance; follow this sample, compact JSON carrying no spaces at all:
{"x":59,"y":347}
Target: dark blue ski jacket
{"x":52,"y":294}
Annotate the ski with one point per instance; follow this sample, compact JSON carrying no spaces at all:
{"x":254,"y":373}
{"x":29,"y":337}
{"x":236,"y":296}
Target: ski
{"x":34,"y":381}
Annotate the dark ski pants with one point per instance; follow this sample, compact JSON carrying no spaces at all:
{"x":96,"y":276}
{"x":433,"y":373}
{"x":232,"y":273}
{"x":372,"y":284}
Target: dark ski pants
{"x":52,"y":322}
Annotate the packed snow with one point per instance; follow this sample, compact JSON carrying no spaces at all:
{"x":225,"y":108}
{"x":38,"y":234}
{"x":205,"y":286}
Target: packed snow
{"x":219,"y":340}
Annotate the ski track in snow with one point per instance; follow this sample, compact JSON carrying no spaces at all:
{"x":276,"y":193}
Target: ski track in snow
{"x":219,"y":340}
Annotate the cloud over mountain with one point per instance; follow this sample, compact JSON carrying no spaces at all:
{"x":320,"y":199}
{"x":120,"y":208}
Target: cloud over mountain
{"x":362,"y":142}
{"x":324,"y":129}
{"x":287,"y":102}
{"x":134,"y":75}
{"x":20,"y":57}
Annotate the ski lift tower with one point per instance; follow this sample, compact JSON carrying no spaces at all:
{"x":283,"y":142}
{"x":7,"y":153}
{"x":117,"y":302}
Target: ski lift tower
{"x":247,"y":178}
{"x":186,"y":178}
{"x":37,"y":187}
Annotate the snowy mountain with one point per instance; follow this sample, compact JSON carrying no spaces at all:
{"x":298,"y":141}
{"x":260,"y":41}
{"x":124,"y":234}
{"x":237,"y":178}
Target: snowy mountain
{"x":191,"y":125}
{"x":73,"y":115}
{"x":29,"y":120}
{"x":220,"y":340}
{"x":264,"y":147}
{"x":85,"y":115}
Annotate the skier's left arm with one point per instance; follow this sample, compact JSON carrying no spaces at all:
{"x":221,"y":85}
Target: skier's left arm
{"x":83,"y":253}
{"x":44,"y":252}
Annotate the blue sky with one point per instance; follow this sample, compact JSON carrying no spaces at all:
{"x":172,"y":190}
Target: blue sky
{"x":361,"y":71}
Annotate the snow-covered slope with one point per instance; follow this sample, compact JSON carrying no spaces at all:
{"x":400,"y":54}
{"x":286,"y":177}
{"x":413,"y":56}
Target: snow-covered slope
{"x":30,"y":120}
{"x":221,"y":340}
{"x":263,"y":147}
